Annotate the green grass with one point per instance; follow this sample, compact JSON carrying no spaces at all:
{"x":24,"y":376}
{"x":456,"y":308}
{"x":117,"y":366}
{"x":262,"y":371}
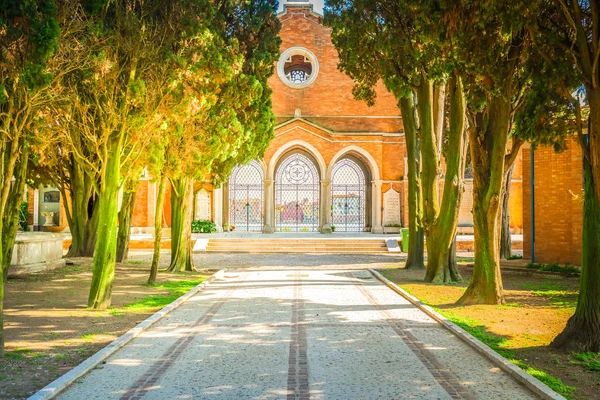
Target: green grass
{"x":590,"y":361}
{"x":90,"y":337}
{"x":558,"y":295}
{"x":153,"y":302}
{"x":515,"y":257}
{"x":135,"y":262}
{"x":22,"y":354}
{"x":498,"y":343}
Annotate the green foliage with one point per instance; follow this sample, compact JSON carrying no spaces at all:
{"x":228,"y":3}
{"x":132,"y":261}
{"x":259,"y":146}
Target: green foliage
{"x":29,"y":32}
{"x":203,"y":226}
{"x":515,"y":257}
{"x":566,"y":269}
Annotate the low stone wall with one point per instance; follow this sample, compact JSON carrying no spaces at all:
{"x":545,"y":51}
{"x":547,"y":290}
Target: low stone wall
{"x":36,"y":252}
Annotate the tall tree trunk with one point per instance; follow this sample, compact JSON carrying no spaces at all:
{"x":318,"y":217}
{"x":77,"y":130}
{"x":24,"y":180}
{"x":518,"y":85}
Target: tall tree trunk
{"x":11,"y":196}
{"x":182,"y":208}
{"x":1,"y":302}
{"x":158,"y":224}
{"x":441,"y":222}
{"x":582,"y":332}
{"x":91,"y":227}
{"x":488,"y":146}
{"x":126,"y":217}
{"x":416,"y":241}
{"x":80,"y":191}
{"x":106,"y":243}
{"x":13,"y":207}
{"x":505,"y":239}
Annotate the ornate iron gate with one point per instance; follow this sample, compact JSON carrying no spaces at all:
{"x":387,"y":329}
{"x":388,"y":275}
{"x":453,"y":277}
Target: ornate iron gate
{"x":246,"y":189}
{"x":297,"y":195}
{"x":348,"y":195}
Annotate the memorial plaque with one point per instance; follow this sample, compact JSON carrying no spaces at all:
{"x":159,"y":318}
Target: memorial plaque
{"x":203,"y":206}
{"x":391,"y":208}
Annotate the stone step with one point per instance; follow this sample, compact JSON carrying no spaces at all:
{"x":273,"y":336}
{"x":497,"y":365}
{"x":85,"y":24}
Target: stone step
{"x":292,"y":245}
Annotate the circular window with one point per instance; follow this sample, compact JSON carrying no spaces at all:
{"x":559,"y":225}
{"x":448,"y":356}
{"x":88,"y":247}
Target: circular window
{"x":297,"y":67}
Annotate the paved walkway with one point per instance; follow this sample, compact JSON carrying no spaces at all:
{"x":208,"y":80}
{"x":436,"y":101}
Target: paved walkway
{"x":297,"y":334}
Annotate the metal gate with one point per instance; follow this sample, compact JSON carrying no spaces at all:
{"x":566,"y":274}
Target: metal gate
{"x":246,"y":188}
{"x":348,"y":196}
{"x":297,"y":195}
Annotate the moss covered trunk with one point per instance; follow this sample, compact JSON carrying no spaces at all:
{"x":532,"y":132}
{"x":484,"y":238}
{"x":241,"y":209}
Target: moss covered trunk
{"x":505,"y":239}
{"x":80,"y":213}
{"x":182,"y":208}
{"x":416,"y":243}
{"x":158,"y":225}
{"x":488,"y":145}
{"x":126,"y":217}
{"x":106,"y":244}
{"x":582,"y":332}
{"x":13,"y":164}
{"x":441,"y":221}
{"x":12,"y":209}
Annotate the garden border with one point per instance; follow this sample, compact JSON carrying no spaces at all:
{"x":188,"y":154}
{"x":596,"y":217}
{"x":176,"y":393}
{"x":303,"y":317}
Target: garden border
{"x":56,"y":387}
{"x":523,"y":377}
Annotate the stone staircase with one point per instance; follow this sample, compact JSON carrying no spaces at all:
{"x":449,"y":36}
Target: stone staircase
{"x":293,"y":245}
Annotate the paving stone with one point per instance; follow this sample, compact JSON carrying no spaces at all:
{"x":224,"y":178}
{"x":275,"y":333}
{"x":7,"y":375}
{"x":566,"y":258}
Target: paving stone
{"x":299,"y":333}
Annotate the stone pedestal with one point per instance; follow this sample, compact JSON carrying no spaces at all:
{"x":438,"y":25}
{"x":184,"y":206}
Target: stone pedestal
{"x":49,"y":215}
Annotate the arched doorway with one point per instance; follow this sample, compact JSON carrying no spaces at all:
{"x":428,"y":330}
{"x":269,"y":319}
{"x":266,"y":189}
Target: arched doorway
{"x":246,"y":187}
{"x":349,"y":195}
{"x":297,"y":186}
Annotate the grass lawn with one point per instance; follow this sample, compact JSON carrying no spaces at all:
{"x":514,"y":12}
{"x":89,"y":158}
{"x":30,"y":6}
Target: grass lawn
{"x":49,"y":329}
{"x":537,"y":308}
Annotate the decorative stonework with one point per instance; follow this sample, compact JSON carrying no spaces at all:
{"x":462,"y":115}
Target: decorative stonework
{"x":203,"y":209}
{"x":298,"y":67}
{"x":391,"y":208}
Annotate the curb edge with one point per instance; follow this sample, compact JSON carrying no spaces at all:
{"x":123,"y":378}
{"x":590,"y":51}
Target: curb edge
{"x":515,"y":372}
{"x":57,"y":386}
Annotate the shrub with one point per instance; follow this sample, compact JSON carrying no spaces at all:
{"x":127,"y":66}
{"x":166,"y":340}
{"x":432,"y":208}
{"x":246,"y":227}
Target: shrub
{"x":203,"y":226}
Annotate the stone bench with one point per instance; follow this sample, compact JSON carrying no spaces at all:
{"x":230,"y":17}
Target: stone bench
{"x":36,"y":252}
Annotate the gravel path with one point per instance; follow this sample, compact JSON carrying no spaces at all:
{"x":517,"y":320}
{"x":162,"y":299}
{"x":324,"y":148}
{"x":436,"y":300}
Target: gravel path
{"x":297,"y":333}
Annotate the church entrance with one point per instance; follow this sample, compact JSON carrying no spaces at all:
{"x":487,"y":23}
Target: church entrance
{"x":246,"y":196}
{"x":297,"y":189}
{"x":348,"y":196}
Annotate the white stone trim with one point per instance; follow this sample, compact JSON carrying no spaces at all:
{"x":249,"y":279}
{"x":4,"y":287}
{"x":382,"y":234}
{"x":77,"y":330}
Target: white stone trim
{"x":372,"y":164}
{"x":292,"y":51}
{"x":312,"y":150}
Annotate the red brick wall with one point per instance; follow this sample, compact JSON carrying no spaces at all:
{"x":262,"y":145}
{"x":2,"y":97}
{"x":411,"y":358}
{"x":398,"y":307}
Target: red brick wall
{"x":558,"y":204}
{"x":140,"y":206}
{"x":331,"y":93}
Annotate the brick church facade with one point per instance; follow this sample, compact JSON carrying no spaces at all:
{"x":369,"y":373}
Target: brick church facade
{"x":335,"y":164}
